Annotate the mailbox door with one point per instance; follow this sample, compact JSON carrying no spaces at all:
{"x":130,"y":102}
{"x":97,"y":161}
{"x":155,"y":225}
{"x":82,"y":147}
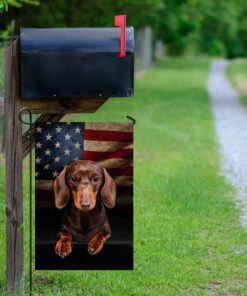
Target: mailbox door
{"x":76,"y":63}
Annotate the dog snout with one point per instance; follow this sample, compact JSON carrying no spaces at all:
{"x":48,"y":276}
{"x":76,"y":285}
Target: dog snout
{"x":84,"y":196}
{"x":85,"y":204}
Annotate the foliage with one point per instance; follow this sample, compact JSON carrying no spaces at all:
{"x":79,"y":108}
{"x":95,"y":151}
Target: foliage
{"x":213,"y":27}
{"x":84,"y":13}
{"x":3,"y":5}
{"x":15,"y":3}
{"x":217,"y":27}
{"x":175,"y":20}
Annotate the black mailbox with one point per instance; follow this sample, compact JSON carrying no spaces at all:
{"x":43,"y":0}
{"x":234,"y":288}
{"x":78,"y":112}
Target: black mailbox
{"x":76,"y":63}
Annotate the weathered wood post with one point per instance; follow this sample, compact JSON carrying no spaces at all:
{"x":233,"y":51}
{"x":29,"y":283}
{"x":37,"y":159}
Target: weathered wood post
{"x":14,"y":202}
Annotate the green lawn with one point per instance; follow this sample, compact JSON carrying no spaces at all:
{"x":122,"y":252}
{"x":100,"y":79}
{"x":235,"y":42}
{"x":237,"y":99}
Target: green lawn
{"x":188,"y":239}
{"x":237,"y":72}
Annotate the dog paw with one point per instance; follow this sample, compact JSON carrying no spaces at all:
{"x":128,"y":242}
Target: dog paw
{"x":95,"y":246}
{"x":63,"y":249}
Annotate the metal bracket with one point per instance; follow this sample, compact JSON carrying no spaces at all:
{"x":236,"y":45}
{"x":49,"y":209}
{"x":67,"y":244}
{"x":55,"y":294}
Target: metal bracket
{"x":30,"y":123}
{"x":132,"y":119}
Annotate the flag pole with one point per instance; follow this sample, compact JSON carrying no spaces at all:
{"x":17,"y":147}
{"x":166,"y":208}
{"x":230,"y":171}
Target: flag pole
{"x":29,"y":136}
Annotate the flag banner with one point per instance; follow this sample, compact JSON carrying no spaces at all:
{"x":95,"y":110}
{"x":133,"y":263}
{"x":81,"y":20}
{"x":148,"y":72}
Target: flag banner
{"x":84,"y":196}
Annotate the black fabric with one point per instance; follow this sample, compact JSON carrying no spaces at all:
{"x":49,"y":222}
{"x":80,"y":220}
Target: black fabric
{"x":116,"y":254}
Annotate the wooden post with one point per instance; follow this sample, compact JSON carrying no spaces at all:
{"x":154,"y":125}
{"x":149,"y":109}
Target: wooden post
{"x":14,"y":202}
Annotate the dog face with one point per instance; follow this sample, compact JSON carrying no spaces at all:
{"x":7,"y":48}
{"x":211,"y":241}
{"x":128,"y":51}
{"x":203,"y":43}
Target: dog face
{"x":84,"y":181}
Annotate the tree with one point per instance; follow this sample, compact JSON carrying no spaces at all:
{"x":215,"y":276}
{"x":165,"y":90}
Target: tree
{"x":16,"y":3}
{"x":215,"y":27}
{"x":176,"y":20}
{"x":3,"y":5}
{"x":78,"y":13}
{"x":211,"y":27}
{"x":219,"y":26}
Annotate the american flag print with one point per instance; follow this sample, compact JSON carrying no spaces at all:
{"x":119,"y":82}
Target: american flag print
{"x":58,"y":144}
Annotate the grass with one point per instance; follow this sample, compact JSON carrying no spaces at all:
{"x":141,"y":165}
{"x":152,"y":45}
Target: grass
{"x":188,"y":239}
{"x":237,"y":72}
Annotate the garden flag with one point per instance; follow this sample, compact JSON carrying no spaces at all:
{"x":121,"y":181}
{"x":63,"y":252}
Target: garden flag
{"x":84,"y":195}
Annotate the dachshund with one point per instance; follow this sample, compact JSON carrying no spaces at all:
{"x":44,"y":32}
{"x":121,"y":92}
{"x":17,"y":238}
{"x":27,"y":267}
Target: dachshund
{"x":82,"y":190}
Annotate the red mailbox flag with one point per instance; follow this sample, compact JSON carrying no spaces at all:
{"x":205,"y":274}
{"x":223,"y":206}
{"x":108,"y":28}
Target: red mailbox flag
{"x":120,"y":21}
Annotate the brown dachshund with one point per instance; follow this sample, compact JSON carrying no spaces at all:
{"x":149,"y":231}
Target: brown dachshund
{"x":82,"y":190}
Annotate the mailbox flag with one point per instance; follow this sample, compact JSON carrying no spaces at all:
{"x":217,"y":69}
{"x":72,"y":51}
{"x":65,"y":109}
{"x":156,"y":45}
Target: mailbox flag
{"x":120,"y":21}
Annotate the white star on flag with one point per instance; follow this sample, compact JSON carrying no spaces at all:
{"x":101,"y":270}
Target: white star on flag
{"x":48,"y":137}
{"x":67,"y":137}
{"x":57,"y":145}
{"x":38,"y":129}
{"x":77,"y":145}
{"x":67,"y":152}
{"x":55,"y":174}
{"x":57,"y":158}
{"x":38,"y":160}
{"x":46,"y":167}
{"x":58,"y":129}
{"x":36,"y":174}
{"x":38,"y":145}
{"x":48,"y":152}
{"x":77,"y":130}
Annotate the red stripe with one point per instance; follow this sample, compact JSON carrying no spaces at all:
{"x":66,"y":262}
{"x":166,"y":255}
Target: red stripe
{"x":128,"y":171}
{"x":117,"y":136}
{"x":97,"y":156}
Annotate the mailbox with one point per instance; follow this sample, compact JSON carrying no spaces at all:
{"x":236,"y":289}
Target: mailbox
{"x":76,"y":63}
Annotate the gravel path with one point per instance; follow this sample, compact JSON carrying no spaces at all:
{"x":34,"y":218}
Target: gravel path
{"x":231,"y":128}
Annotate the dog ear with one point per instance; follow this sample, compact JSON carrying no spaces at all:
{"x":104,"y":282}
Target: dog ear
{"x":108,"y":191}
{"x":61,"y":191}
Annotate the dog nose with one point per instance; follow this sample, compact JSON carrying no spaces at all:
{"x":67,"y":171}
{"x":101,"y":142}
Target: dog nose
{"x":85,"y":204}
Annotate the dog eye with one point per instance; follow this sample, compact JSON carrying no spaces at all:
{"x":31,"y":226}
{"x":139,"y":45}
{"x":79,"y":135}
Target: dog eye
{"x":74,"y":178}
{"x":96,"y":179}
